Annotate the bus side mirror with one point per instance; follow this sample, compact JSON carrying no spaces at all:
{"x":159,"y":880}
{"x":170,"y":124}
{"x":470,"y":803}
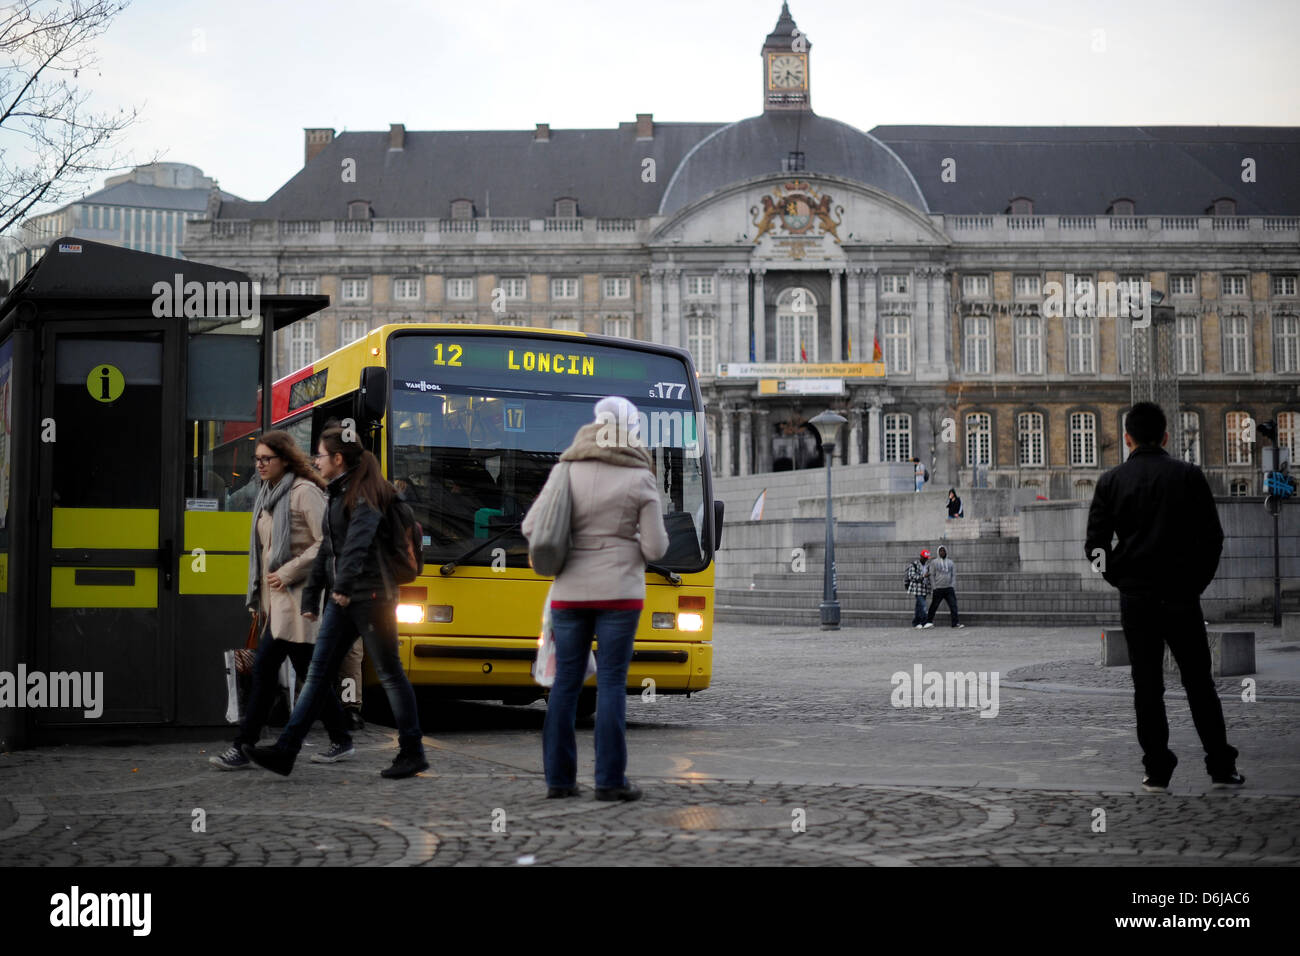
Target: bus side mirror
{"x":374,"y":393}
{"x":718,"y":508}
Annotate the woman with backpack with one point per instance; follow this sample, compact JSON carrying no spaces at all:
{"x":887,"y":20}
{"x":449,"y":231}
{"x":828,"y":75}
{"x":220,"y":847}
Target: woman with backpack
{"x":361,"y":602}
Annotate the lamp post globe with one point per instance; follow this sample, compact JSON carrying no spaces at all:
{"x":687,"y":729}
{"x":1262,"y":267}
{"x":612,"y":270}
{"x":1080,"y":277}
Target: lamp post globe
{"x":828,"y":426}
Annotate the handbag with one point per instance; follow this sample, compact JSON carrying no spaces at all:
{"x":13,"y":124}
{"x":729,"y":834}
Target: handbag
{"x":544,"y":665}
{"x":239,"y":670}
{"x":548,"y":547}
{"x":244,"y":657}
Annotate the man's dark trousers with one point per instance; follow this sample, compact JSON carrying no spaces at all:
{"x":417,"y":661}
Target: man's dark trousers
{"x":1149,"y":621}
{"x":943,"y":594}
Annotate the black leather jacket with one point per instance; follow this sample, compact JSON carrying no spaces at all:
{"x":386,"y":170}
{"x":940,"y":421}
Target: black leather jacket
{"x":1162,"y":510}
{"x":348,"y":560}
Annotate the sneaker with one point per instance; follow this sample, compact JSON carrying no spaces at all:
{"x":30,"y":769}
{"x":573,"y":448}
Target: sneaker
{"x":917,"y":626}
{"x":553,"y":793}
{"x":271,"y":758}
{"x":405,"y":764}
{"x":927,"y":625}
{"x":955,"y":626}
{"x":336,"y":753}
{"x":232,"y":759}
{"x":1227,"y":781}
{"x":1155,"y":786}
{"x":629,"y":793}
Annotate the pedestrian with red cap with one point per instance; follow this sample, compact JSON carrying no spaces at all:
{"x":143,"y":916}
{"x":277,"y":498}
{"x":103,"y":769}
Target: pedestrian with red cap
{"x":917,"y":582}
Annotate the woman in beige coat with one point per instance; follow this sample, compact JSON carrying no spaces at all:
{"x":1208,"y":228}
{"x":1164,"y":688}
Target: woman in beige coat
{"x":617,"y":526}
{"x":286,"y":535}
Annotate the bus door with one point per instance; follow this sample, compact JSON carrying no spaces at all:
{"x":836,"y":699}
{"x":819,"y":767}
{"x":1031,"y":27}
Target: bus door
{"x":109,"y":424}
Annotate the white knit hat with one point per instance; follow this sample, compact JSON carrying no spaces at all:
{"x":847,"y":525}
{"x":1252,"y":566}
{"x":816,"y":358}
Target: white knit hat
{"x":618,"y":411}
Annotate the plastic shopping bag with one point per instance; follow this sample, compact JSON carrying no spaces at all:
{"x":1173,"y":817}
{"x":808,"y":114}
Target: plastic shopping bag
{"x":544,"y":665}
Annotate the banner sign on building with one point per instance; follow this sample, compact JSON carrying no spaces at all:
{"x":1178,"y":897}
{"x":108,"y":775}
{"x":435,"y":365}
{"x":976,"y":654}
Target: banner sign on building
{"x":801,"y":386}
{"x":802,"y":370}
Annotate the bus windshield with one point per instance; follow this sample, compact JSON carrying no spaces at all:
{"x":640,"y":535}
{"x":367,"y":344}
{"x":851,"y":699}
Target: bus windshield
{"x":477,"y":422}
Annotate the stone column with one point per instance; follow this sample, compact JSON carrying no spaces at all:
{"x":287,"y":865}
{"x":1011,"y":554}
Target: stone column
{"x":760,"y":319}
{"x":674,"y":318}
{"x":855,"y":434}
{"x":875,"y":439}
{"x":746,"y":440}
{"x":940,"y":333}
{"x":722,"y":333}
{"x":741,"y":313}
{"x":855,"y":343}
{"x":921,"y":319}
{"x":837,"y":321}
{"x":762,"y":442}
{"x":724,"y":432}
{"x":654,"y":331}
{"x":869,"y":322}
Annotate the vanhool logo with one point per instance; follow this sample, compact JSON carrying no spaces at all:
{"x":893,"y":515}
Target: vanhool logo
{"x":76,"y":909}
{"x":206,"y":300}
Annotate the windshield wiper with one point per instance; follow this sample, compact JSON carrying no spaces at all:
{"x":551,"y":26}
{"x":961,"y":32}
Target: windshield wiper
{"x":450,"y":566}
{"x":672,"y":576}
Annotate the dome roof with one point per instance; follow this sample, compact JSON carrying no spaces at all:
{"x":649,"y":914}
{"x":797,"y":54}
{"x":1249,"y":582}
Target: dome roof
{"x":759,"y":145}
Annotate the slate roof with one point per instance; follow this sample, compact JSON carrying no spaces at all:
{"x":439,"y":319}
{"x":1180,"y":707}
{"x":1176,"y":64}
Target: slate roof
{"x":152,"y":197}
{"x":1064,"y":170}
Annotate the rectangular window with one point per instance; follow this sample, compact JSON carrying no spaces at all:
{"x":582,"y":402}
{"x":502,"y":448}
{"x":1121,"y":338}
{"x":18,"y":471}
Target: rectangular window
{"x":1284,"y":286}
{"x":352,"y":329}
{"x":302,"y":287}
{"x":979,"y":440}
{"x":564,"y":288}
{"x":894,"y":283}
{"x":1081,"y":345}
{"x":616,"y":288}
{"x":354,"y":290}
{"x":1083,"y":440}
{"x":898,"y":437}
{"x":977,"y":345}
{"x":1183,"y":283}
{"x":796,"y":337}
{"x":699,"y":340}
{"x":699,"y":285}
{"x":515,"y":287}
{"x":1234,"y":286}
{"x":302,"y":343}
{"x":898,"y":343}
{"x":565,"y":323}
{"x":515,"y":320}
{"x":1191,"y":428}
{"x":1286,"y":343}
{"x":973,"y":287}
{"x":460,"y":289}
{"x":406,"y":290}
{"x":1287,"y":423}
{"x":1188,"y":344}
{"x":1029,"y":426}
{"x":1029,"y":345}
{"x":1236,"y":449}
{"x":1027,"y":287}
{"x":1236,"y":343}
{"x":617,"y":326}
{"x":1124,"y":344}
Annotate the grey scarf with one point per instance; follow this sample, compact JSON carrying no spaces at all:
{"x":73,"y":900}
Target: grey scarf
{"x":268,"y":498}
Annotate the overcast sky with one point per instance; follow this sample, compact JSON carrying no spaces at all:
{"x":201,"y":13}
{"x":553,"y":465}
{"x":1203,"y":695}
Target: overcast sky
{"x":228,"y":86}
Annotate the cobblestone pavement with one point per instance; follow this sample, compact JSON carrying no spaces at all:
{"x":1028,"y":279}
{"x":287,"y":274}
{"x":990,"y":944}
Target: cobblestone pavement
{"x":796,"y":757}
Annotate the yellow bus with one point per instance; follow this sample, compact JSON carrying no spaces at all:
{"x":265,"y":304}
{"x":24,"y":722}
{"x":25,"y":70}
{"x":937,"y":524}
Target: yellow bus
{"x":467,"y":422}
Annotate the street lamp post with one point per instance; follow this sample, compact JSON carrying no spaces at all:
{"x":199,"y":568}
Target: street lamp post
{"x":828,"y":428}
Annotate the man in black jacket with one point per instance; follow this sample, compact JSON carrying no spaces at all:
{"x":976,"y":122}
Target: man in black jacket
{"x":1169,"y":543}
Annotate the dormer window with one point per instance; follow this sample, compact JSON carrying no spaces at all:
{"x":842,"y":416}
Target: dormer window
{"x":566,"y":208}
{"x":1021,"y":206}
{"x":1121,"y":207}
{"x":462,"y":209}
{"x":1223,"y":207}
{"x":360,"y":209}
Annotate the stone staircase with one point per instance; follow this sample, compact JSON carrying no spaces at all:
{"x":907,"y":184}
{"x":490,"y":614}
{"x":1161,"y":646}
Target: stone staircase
{"x":991,"y":589}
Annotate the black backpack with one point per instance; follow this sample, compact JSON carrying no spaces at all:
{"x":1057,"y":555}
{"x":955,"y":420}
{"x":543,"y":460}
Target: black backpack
{"x":402,"y":542}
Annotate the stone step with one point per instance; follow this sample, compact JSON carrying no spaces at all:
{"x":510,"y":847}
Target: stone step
{"x":871,"y":600}
{"x":810,"y":618}
{"x":888,"y":582}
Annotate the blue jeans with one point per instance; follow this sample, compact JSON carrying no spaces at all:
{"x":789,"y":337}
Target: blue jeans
{"x":918,"y":615}
{"x":375,"y":622}
{"x":266,"y":665}
{"x":573,"y":633}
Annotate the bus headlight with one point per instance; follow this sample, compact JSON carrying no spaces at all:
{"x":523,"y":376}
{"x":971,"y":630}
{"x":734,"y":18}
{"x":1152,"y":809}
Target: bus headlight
{"x":410,"y":613}
{"x":663,"y":620}
{"x":690,"y":622}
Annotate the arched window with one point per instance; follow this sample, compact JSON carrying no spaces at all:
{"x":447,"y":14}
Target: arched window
{"x":979,"y":439}
{"x":1236,"y":449}
{"x":566,"y":208}
{"x":1083,"y":440}
{"x":796,"y":326}
{"x":1223,"y":206}
{"x":1239,"y":488}
{"x":360,"y":209}
{"x":1021,"y":206}
{"x":1029,"y":427}
{"x":898,"y":437}
{"x":1120,"y":207}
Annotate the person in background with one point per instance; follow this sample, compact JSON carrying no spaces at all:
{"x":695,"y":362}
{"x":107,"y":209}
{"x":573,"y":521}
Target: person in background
{"x":617,"y":526}
{"x":943,"y":579}
{"x":918,"y":585}
{"x":1170,"y":539}
{"x":362,"y":602}
{"x":954,"y":505}
{"x":286,"y":537}
{"x":922,"y":476}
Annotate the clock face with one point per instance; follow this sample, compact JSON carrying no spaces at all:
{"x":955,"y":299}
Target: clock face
{"x":787,"y":71}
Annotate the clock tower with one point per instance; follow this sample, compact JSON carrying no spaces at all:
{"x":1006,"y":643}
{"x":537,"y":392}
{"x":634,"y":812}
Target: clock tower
{"x":785,"y":66}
